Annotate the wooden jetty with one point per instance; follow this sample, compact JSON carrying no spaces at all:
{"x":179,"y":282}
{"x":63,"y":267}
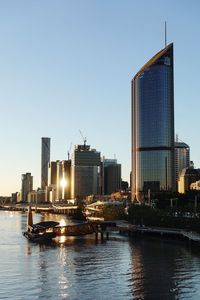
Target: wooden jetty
{"x":76,"y":229}
{"x":101,"y":228}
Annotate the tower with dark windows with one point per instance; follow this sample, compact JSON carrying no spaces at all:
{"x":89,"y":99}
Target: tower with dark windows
{"x":45,"y":159}
{"x":153,"y":126}
{"x":85,"y":171}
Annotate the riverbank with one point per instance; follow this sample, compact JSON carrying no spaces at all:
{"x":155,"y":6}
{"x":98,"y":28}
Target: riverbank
{"x":42,"y":208}
{"x":161,"y":232}
{"x":123,"y":227}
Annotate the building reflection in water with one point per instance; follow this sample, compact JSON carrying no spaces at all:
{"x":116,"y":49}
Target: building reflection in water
{"x":154,"y":267}
{"x":137,"y":274}
{"x":62,"y":280}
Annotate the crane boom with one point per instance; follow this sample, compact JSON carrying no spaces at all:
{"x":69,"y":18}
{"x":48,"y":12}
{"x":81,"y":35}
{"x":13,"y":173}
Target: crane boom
{"x":68,"y":152}
{"x":84,"y":138}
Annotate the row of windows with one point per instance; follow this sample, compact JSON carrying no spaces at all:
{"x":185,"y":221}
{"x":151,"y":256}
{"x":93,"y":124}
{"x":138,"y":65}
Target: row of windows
{"x":152,"y":166}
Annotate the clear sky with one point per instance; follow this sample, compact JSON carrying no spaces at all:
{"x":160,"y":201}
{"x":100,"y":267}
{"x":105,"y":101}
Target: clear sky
{"x":67,"y":65}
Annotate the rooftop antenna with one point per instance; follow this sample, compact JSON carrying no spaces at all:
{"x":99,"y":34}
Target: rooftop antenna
{"x":165,"y":33}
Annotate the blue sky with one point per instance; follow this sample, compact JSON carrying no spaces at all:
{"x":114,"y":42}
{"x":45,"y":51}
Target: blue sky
{"x":67,"y":65}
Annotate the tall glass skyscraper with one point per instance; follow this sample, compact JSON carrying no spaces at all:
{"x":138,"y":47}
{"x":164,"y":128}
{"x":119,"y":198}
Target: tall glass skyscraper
{"x":45,"y":159}
{"x":153,"y":126}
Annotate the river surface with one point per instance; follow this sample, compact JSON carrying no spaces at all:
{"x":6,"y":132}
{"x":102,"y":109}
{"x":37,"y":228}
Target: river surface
{"x":85,"y":269}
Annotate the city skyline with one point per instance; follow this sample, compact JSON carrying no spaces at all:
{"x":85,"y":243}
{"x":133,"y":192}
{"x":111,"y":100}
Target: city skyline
{"x":67,"y":66}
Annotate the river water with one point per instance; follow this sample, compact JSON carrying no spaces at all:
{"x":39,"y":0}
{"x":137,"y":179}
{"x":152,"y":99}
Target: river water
{"x":83,"y":269}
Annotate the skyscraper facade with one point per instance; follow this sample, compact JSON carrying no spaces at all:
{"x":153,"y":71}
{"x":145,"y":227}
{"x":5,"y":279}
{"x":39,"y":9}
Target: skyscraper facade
{"x":66,"y":179}
{"x":85,"y":171}
{"x":182,"y":159}
{"x":27,"y":186}
{"x":153,"y":126}
{"x":111,"y":176}
{"x":52,"y":173}
{"x":45,"y":159}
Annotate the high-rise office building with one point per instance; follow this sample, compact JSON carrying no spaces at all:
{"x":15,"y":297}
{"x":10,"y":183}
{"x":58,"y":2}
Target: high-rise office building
{"x":45,"y":159}
{"x":66,"y":179}
{"x":153,"y":126}
{"x":27,"y":186}
{"x":52,"y":182}
{"x":59,"y":180}
{"x":52,"y":173}
{"x":182,"y":159}
{"x":111,"y":176}
{"x":85,"y":171}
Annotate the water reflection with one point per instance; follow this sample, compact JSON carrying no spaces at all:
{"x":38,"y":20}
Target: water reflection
{"x":63,"y":281}
{"x":163,"y":269}
{"x":137,"y":274}
{"x":81,"y":268}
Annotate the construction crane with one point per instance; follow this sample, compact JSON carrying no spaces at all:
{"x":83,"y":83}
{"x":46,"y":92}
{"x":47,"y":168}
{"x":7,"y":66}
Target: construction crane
{"x":84,"y":138}
{"x":68,"y":152}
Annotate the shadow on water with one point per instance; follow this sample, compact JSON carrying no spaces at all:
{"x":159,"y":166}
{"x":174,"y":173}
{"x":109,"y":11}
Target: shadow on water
{"x":162,"y":269}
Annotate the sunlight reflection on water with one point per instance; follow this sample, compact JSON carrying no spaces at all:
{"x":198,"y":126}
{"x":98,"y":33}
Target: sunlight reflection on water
{"x":82,"y":268}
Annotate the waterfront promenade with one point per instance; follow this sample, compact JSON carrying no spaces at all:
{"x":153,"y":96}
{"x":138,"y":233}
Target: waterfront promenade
{"x":133,"y":230}
{"x":42,"y":208}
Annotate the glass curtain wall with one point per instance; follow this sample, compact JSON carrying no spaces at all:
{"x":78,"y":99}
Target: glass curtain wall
{"x":153,"y":126}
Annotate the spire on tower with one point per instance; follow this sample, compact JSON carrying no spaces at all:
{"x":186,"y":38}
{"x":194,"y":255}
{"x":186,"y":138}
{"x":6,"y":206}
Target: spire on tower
{"x":165,"y":33}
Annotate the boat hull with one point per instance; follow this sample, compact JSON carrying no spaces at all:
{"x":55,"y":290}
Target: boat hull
{"x":39,"y":238}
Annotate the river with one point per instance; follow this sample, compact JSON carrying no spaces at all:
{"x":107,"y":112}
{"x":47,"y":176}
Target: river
{"x":83,"y":269}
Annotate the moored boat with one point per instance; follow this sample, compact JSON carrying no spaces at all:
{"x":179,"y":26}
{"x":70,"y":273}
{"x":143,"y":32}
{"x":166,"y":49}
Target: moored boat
{"x":41,"y":232}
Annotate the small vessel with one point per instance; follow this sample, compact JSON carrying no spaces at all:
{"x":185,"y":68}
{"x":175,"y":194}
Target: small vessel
{"x":40,"y":232}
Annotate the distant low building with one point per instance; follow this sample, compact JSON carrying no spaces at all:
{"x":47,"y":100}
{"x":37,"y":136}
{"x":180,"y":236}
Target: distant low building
{"x":187,"y":177}
{"x":124,"y":185}
{"x":41,"y":195}
{"x":195,"y":185}
{"x":5,"y":200}
{"x":182,"y":158}
{"x":14,"y":198}
{"x":52,"y":193}
{"x":32,"y":197}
